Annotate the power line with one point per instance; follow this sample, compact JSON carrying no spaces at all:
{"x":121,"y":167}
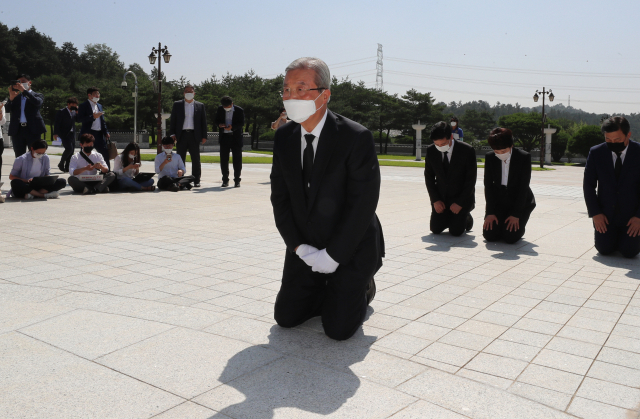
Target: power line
{"x":515,"y":70}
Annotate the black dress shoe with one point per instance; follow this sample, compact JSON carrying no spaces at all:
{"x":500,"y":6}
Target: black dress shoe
{"x":197,"y":184}
{"x":371,"y":291}
{"x":236,"y":185}
{"x":62,"y":169}
{"x":469,"y":222}
{"x":225,"y":184}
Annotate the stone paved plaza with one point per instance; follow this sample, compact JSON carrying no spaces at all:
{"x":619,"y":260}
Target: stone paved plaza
{"x":159,"y":305}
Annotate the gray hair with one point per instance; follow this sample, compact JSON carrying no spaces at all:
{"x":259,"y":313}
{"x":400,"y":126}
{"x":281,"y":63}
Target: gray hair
{"x":323,"y":76}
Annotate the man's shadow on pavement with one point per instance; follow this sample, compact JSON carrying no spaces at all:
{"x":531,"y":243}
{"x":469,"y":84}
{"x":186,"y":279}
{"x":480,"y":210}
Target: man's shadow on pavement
{"x":311,"y":375}
{"x":443,"y":242}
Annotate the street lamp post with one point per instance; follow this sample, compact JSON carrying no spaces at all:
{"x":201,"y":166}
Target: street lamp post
{"x":152,"y":59}
{"x":135,"y":103}
{"x":544,"y":117}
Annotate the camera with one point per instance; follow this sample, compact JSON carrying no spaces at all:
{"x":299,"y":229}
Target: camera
{"x":13,"y":83}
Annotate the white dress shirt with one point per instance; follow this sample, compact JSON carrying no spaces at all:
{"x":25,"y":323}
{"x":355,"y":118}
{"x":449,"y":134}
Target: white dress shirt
{"x":3,"y":120}
{"x":36,"y":168}
{"x":78,"y":162}
{"x":316,"y":132}
{"x":228,"y":118}
{"x":449,"y":152}
{"x":97,"y":125}
{"x":622,"y":156}
{"x":171,"y":168}
{"x":505,"y":170}
{"x":189,"y":110}
{"x":118,"y":168}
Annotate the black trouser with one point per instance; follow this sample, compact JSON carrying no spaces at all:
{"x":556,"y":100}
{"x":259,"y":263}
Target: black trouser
{"x":456,"y":223}
{"x":228,"y":143}
{"x":20,"y":188}
{"x":69,"y":144}
{"x":189,"y":142}
{"x":616,"y":238}
{"x":1,"y":151}
{"x":340,"y":298}
{"x":101,"y":146}
{"x":78,"y":185}
{"x":23,"y":140}
{"x":500,"y":232}
{"x":165,"y":182}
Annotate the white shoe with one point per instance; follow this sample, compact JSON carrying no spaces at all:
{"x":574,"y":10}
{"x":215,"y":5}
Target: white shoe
{"x":1,"y":199}
{"x":52,"y":195}
{"x":85,"y":191}
{"x":28,"y":196}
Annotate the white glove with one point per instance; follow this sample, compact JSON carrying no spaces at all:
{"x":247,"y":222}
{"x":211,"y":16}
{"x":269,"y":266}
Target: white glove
{"x":324,"y":263}
{"x":307,"y":253}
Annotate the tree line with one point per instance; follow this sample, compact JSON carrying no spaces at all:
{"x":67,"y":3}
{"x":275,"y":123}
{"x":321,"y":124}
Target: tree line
{"x":62,"y":71}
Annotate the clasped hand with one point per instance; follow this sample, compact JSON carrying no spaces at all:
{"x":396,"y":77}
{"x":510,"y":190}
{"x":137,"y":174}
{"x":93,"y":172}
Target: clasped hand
{"x":318,"y":260}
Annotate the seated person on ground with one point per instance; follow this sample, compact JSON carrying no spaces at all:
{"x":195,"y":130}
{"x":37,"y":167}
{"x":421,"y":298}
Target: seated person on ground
{"x":612,"y":189}
{"x":170,"y":169}
{"x":33,"y":163}
{"x":88,"y":161}
{"x":127,"y":166}
{"x":510,"y":201}
{"x":450,"y":172}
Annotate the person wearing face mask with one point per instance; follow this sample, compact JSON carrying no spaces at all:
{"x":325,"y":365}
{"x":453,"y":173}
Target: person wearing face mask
{"x":450,"y":173}
{"x":127,"y":166}
{"x":456,"y":131}
{"x":282,"y":119}
{"x":230,"y":121}
{"x":34,"y":163}
{"x":611,"y":187}
{"x":170,"y":169}
{"x":325,"y":185}
{"x":88,"y":161}
{"x":64,"y":129}
{"x":189,"y":129}
{"x":510,"y":201}
{"x":91,"y":116}
{"x":26,"y":124}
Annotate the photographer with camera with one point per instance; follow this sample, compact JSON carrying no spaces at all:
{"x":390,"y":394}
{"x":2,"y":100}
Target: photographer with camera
{"x":88,"y":161}
{"x":26,"y":125}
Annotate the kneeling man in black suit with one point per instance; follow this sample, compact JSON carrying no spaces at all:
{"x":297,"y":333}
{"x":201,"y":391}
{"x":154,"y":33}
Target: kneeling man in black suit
{"x":325,"y":185}
{"x":450,"y":172}
{"x":614,"y":169}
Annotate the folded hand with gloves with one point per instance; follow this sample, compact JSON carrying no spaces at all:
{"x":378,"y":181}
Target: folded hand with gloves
{"x":318,"y":260}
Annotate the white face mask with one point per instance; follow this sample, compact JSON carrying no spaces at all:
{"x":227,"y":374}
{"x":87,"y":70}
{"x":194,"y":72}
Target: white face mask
{"x":37,"y":156}
{"x":25,"y":86}
{"x":229,"y":109}
{"x":189,"y":96}
{"x":443,"y":148}
{"x":168,"y":150}
{"x":300,"y":110}
{"x":132,"y":157}
{"x":453,"y":124}
{"x":504,"y":156}
{"x":95,"y":99}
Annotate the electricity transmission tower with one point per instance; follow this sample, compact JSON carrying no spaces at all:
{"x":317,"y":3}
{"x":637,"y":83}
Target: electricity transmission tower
{"x":379,"y":85}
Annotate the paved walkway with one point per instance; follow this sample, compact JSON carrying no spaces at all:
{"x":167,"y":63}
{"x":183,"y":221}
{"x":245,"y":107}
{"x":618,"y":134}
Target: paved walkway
{"x":160,"y":305}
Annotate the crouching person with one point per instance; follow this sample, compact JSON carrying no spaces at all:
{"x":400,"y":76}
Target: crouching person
{"x":33,"y":164}
{"x":170,"y":169}
{"x":127,"y":166}
{"x":89,"y":162}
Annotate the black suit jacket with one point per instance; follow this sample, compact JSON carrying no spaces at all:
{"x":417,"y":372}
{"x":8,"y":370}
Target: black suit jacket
{"x":459,"y":185}
{"x":34,"y":102}
{"x":237,"y":123}
{"x":618,"y":200}
{"x":65,"y":123}
{"x":345,"y":187}
{"x":85,"y":117}
{"x":199,"y":120}
{"x":519,"y":194}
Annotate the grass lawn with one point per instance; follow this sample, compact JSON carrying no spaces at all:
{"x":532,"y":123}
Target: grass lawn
{"x":216,"y":159}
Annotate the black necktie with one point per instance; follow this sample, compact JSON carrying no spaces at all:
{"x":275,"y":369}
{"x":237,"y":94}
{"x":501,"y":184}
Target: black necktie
{"x":307,"y":162}
{"x":445,"y":162}
{"x":618,"y":166}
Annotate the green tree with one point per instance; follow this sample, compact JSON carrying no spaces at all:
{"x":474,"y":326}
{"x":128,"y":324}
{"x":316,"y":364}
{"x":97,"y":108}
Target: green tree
{"x":585,"y":138}
{"x":559,"y":143}
{"x":526,"y":128}
{"x":478,"y":123}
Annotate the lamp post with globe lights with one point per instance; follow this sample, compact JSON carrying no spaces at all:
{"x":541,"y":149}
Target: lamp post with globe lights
{"x":544,"y":117}
{"x":156,"y":53}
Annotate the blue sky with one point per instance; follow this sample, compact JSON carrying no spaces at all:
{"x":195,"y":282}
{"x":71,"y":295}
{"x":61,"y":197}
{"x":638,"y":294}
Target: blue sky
{"x":461,"y":50}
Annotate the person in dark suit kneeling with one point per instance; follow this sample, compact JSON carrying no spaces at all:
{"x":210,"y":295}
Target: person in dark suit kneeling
{"x":612,"y":189}
{"x":325,"y":185}
{"x":450,"y":172}
{"x":507,"y":174}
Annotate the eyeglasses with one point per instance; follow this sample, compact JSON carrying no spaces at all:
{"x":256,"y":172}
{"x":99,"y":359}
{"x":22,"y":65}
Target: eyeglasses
{"x":300,"y":91}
